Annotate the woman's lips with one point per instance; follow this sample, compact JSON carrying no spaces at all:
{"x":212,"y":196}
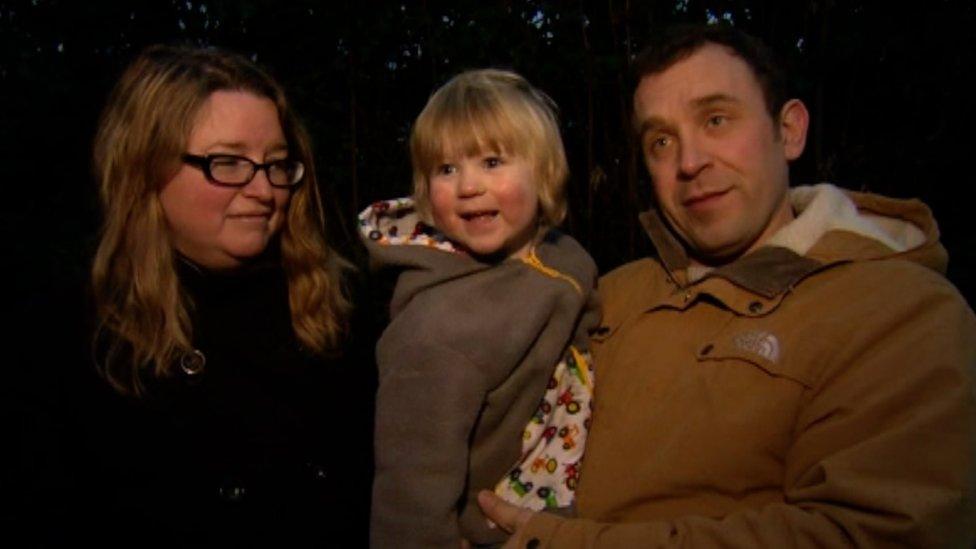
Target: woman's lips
{"x":255,"y":216}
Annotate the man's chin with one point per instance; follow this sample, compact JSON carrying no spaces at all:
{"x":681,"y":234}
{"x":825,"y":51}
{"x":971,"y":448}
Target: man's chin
{"x":716,"y":255}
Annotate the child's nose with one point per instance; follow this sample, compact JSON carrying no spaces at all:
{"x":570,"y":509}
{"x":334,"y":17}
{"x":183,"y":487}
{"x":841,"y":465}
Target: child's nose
{"x":470,"y":184}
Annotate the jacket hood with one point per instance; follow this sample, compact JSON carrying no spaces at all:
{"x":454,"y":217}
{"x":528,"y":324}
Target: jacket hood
{"x":831,"y":226}
{"x":397,"y":238}
{"x":836,"y":225}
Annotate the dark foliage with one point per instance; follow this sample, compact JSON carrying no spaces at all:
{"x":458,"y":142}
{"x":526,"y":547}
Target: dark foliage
{"x":884,"y":81}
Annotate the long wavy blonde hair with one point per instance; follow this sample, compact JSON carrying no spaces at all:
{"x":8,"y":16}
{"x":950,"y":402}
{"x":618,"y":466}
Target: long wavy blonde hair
{"x":144,"y":325}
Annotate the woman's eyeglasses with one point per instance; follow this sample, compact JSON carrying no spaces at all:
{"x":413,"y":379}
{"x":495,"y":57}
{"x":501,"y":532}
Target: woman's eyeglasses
{"x":236,"y":171}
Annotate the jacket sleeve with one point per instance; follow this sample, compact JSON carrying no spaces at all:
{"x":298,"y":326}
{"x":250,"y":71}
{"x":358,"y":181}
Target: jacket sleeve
{"x":882,"y":455}
{"x":428,"y":400}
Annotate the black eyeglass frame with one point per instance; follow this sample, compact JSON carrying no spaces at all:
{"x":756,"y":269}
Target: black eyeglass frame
{"x":203,"y":164}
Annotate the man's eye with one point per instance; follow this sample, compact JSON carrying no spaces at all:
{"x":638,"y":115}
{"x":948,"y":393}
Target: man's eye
{"x":660,"y":142}
{"x":717,"y":120}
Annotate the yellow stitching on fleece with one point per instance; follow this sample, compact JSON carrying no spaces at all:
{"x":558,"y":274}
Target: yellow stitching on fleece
{"x":582,"y":367}
{"x":533,"y":261}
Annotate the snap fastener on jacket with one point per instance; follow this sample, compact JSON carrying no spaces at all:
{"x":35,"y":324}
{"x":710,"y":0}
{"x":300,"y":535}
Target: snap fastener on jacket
{"x":755,"y":307}
{"x":317,"y":471}
{"x":193,"y":362}
{"x":232,"y":492}
{"x":532,"y":543}
{"x":707,"y":349}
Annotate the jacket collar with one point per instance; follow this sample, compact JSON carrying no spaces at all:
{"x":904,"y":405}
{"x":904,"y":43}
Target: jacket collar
{"x":769,"y":271}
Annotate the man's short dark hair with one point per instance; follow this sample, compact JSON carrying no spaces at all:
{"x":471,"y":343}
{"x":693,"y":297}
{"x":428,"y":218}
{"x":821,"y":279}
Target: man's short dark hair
{"x":679,"y":42}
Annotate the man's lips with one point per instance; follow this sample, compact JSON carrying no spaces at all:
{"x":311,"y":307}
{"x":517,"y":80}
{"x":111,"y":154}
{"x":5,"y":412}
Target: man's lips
{"x":703,"y":199}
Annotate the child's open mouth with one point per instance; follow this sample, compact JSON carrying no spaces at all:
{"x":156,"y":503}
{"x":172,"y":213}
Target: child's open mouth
{"x":485,"y":215}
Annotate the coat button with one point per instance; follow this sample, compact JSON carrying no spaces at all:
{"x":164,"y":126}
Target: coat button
{"x":232,"y":493}
{"x":193,"y":362}
{"x":317,"y":471}
{"x":532,"y":543}
{"x":755,"y":307}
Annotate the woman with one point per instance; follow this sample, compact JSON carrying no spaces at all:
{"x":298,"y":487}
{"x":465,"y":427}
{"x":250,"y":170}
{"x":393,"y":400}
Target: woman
{"x":227,"y":412}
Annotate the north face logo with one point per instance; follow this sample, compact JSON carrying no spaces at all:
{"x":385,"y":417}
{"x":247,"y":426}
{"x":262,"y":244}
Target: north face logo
{"x":763,"y":344}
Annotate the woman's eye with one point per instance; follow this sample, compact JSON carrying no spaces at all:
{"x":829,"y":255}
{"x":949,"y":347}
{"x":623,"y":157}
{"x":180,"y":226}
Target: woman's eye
{"x":227,"y":161}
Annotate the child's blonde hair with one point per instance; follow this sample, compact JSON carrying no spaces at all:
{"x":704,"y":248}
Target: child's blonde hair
{"x":491,"y":110}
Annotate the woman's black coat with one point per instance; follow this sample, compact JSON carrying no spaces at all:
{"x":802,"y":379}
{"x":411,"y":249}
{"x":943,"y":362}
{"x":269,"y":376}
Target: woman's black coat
{"x":265,"y":446}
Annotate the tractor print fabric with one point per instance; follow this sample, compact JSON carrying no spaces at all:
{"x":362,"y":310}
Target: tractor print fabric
{"x":552,"y":446}
{"x":389,"y":222}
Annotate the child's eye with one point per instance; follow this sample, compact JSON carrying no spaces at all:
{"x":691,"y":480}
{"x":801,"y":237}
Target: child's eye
{"x":493,"y":161}
{"x":445,"y":169}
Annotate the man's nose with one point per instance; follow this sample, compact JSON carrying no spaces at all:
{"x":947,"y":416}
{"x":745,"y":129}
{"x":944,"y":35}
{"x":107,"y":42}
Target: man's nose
{"x":693,"y":157}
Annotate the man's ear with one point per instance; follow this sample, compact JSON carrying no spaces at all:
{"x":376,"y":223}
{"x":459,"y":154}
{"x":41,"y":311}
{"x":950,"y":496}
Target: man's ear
{"x":794,"y":119}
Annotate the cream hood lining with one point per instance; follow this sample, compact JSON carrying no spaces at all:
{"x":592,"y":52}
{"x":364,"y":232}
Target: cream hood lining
{"x":824,"y":208}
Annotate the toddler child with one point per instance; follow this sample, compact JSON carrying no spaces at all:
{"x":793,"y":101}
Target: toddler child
{"x":484,"y":378}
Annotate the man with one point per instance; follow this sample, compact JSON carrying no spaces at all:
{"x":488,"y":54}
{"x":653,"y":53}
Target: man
{"x":791,"y":369}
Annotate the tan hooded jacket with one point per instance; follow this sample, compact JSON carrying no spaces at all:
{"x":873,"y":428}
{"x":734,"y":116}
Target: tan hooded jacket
{"x":817,"y":392}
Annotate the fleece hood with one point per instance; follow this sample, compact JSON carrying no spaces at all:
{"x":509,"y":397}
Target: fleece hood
{"x":397,"y":238}
{"x":836,"y":225}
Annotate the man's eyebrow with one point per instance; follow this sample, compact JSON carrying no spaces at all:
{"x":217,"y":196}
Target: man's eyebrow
{"x":653,"y":123}
{"x":649,"y":125}
{"x":714,"y":98}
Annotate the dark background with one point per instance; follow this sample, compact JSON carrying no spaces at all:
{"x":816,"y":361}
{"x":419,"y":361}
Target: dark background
{"x":886,"y":82}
